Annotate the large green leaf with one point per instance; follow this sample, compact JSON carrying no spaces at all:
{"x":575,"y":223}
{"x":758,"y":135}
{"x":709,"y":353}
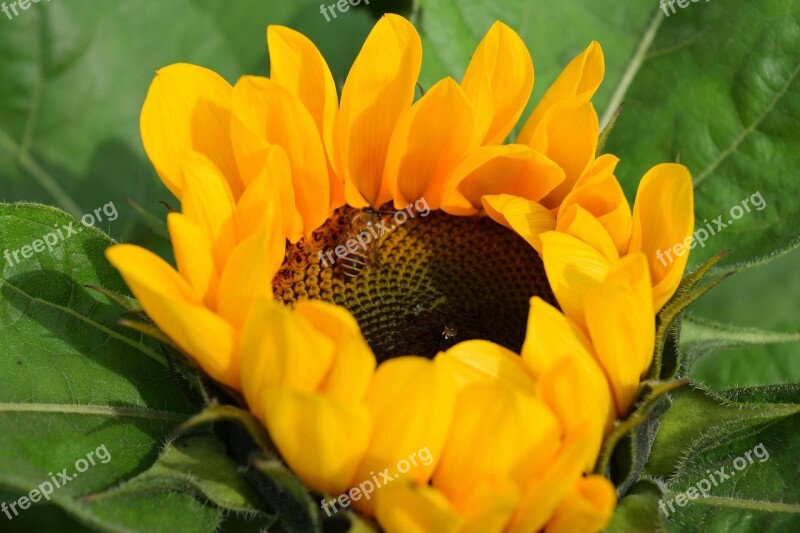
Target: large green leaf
{"x":765,"y":297}
{"x":742,"y":474}
{"x":74,"y":384}
{"x":76,"y":73}
{"x":719,"y":87}
{"x":696,"y":413}
{"x":721,"y":462}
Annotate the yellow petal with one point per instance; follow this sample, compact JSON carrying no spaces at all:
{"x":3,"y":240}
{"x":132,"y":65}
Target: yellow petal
{"x":550,"y":337}
{"x":571,"y":381}
{"x":620,"y":320}
{"x":194,"y":257}
{"x":480,"y":361}
{"x":578,"y":81}
{"x":567,"y":134}
{"x":248,"y":273}
{"x":280,"y":350}
{"x":545,"y":491}
{"x":428,"y":142}
{"x":269,"y":198}
{"x":353,"y":364}
{"x":207,"y":201}
{"x":321,"y":439}
{"x":177,"y":310}
{"x":572,"y":268}
{"x":498,"y":81}
{"x":379,"y":88}
{"x":488,"y":506}
{"x":188,"y":108}
{"x":267,"y":114}
{"x":411,"y":400}
{"x":599,"y":193}
{"x":663,"y":219}
{"x":578,"y":222}
{"x":527,"y":218}
{"x":405,"y":506}
{"x":408,"y":507}
{"x":508,"y":169}
{"x":588,"y":507}
{"x":298,"y":66}
{"x":492,"y":437}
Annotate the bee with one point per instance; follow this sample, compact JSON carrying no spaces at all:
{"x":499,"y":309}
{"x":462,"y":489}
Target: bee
{"x":449,"y":335}
{"x":362,"y":228}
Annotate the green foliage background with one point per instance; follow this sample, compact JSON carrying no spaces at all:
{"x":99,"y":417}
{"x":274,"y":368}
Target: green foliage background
{"x":715,"y":84}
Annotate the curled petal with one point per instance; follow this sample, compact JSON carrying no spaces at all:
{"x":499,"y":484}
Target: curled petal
{"x":663,"y":219}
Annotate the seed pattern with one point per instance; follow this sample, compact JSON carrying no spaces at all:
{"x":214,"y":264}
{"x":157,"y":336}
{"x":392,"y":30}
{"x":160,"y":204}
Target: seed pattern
{"x":441,"y":279}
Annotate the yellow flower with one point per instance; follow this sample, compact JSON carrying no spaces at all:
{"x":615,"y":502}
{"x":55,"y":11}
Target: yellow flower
{"x":505,"y":368}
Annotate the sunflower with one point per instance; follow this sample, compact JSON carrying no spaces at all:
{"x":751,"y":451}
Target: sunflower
{"x":506,"y":322}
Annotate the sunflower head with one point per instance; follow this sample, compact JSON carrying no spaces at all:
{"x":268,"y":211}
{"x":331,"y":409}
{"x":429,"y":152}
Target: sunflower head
{"x":469,"y":354}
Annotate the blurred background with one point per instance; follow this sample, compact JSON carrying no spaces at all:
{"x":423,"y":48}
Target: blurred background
{"x":714,"y":84}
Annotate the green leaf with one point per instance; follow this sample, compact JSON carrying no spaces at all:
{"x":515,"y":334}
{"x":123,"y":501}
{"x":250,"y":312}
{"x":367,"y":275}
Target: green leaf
{"x":76,"y":73}
{"x":199,"y":464}
{"x":720,"y":87}
{"x":287,"y":495}
{"x":75,"y":384}
{"x":766,"y":298}
{"x":453,"y":28}
{"x":748,"y":475}
{"x":638,"y":510}
{"x":701,"y":336}
{"x":727,"y":460}
{"x":697,"y":412}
